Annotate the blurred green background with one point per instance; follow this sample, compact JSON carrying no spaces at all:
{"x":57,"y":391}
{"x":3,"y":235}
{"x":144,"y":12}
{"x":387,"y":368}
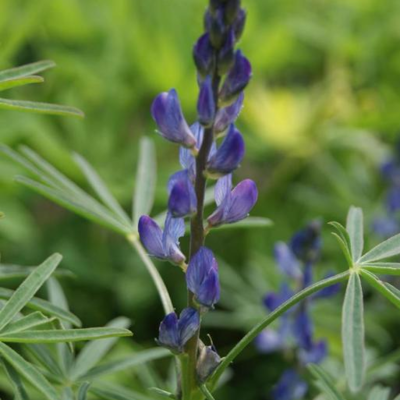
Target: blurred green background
{"x":320,"y":115}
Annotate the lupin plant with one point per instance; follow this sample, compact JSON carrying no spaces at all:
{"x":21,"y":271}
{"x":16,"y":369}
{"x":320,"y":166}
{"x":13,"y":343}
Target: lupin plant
{"x":296,"y":260}
{"x":211,"y":149}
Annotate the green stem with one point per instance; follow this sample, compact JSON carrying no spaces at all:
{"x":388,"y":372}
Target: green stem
{"x":253,"y":333}
{"x":206,"y":392}
{"x":151,"y":268}
{"x":185,"y":378}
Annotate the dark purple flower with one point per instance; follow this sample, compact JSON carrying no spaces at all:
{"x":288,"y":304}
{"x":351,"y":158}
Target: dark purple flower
{"x":315,"y":354}
{"x":174,"y":333}
{"x":203,"y":55}
{"x":231,"y":10}
{"x":290,"y":387}
{"x":227,"y":115}
{"x":202,"y":277}
{"x":303,"y":329}
{"x":232,"y":205}
{"x":306,"y":243}
{"x":182,"y":196}
{"x":167,"y":113}
{"x":226,"y":55}
{"x":207,"y":362}
{"x":237,"y":79}
{"x":239,"y":23}
{"x":287,"y":261}
{"x":215,"y":26}
{"x":206,"y":103}
{"x":329,"y":291}
{"x":228,"y":155}
{"x":163,"y":244}
{"x":273,"y":300}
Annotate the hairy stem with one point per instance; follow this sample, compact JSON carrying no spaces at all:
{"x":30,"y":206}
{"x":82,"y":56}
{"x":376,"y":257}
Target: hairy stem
{"x":155,"y":275}
{"x":253,"y":333}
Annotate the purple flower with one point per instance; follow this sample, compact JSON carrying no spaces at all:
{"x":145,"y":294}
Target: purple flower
{"x":290,"y":387}
{"x":202,"y":277}
{"x":215,"y":26}
{"x":303,"y":329}
{"x":393,"y":200}
{"x":287,"y":261}
{"x":269,"y":341}
{"x":162,"y":244}
{"x":182,"y":196}
{"x":206,"y":103}
{"x":207,"y":362}
{"x":232,"y":205}
{"x":237,"y":79}
{"x":329,"y":291}
{"x":273,"y":300}
{"x":174,"y":333}
{"x":238,"y":24}
{"x":226,"y":55}
{"x":315,"y":354}
{"x":306,"y":243}
{"x":386,"y":226}
{"x":167,"y":113}
{"x":203,"y":55}
{"x":228,"y":156}
{"x":227,"y":115}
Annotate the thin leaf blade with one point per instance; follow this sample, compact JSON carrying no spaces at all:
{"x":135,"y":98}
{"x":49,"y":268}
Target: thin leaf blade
{"x":355,"y":228}
{"x":386,"y":249}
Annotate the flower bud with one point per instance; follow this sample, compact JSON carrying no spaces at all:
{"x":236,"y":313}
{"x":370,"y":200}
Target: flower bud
{"x":306,"y":243}
{"x":207,"y":362}
{"x":203,"y":54}
{"x":239,"y":23}
{"x":167,"y":113}
{"x":215,"y":26}
{"x":227,"y":115}
{"x":237,"y":79}
{"x":182,"y":196}
{"x":174,"y":333}
{"x":206,"y":103}
{"x":231,"y":10}
{"x":226,"y":56}
{"x":228,"y":156}
{"x":202,"y":277}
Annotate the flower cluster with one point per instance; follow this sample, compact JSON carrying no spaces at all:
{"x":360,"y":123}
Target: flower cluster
{"x":389,"y":224}
{"x":295,"y":260}
{"x":210,"y":148}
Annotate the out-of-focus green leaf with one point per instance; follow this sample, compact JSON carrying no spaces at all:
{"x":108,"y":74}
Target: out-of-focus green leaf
{"x":27,"y":289}
{"x":355,"y":228}
{"x":163,"y":393}
{"x":8,"y":272}
{"x":146,"y":176}
{"x":116,"y":392}
{"x":353,"y":333}
{"x":249,"y":222}
{"x":45,"y":307}
{"x":325,"y":383}
{"x":41,"y":108}
{"x":93,"y":352}
{"x":27,"y":322}
{"x":10,"y":83}
{"x":386,"y":249}
{"x":344,"y":241}
{"x":19,"y":388}
{"x":66,"y":335}
{"x":379,"y":393}
{"x":122,"y":364}
{"x":29,"y":372}
{"x":41,"y":354}
{"x":26,"y":70}
{"x":83,"y":390}
{"x":392,"y":295}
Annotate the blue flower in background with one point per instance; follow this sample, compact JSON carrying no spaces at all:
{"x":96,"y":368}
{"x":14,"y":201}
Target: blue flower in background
{"x":296,"y":330}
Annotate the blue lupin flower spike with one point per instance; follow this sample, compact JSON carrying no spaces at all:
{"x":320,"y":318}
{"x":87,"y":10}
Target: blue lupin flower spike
{"x":167,"y":113}
{"x":206,"y":103}
{"x":182,"y":196}
{"x":232,"y":205}
{"x":203,"y":55}
{"x":227,"y":115}
{"x":228,"y":156}
{"x":290,"y":387}
{"x":162,"y":244}
{"x":174,"y":333}
{"x":202,"y":277}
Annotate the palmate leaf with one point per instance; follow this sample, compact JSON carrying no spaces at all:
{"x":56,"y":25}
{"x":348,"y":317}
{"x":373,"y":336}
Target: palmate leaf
{"x":27,"y":289}
{"x":29,"y":372}
{"x":386,"y":249}
{"x":116,"y":392}
{"x":344,"y":241}
{"x":83,"y":390}
{"x":379,"y":393}
{"x":15,"y":82}
{"x":26,"y":70}
{"x":325,"y":382}
{"x":93,"y":352}
{"x":30,"y":321}
{"x":355,"y":229}
{"x":9,"y":272}
{"x":353,"y":333}
{"x":18,"y":386}
{"x":383,"y":268}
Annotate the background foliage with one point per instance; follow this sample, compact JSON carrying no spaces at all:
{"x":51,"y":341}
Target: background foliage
{"x":319,"y":115}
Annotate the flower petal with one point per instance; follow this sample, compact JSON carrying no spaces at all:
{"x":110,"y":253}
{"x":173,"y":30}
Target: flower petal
{"x":174,"y":229}
{"x":287,"y":261}
{"x":206,"y":103}
{"x":151,"y":236}
{"x":182,"y":196}
{"x":227,"y":115}
{"x":169,"y":333}
{"x":189,"y":323}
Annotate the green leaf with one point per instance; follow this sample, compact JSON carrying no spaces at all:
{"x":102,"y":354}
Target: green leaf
{"x":10,"y":83}
{"x":162,"y":393}
{"x":71,"y":204}
{"x":30,"y":321}
{"x":42,"y":355}
{"x":26,"y":70}
{"x":9,"y":272}
{"x":123,"y":364}
{"x":355,"y":229}
{"x":18,"y":386}
{"x":101,"y":189}
{"x":29,"y":372}
{"x":207,"y":394}
{"x":345,"y":249}
{"x":93,"y":352}
{"x":249,"y":222}
{"x":353,"y":333}
{"x":146,"y":176}
{"x":325,"y":383}
{"x":397,"y":397}
{"x":27,"y":289}
{"x":82,"y":391}
{"x":45,"y":307}
{"x":386,"y":249}
{"x":40,"y":108}
{"x":379,"y":393}
{"x":66,"y":335}
{"x":116,"y":392}
{"x":383,"y":268}
{"x":389,"y":293}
